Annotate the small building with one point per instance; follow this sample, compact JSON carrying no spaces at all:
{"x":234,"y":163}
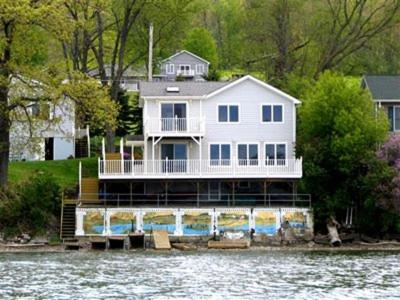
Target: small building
{"x":184,"y":66}
{"x":385,"y":91}
{"x":44,"y":130}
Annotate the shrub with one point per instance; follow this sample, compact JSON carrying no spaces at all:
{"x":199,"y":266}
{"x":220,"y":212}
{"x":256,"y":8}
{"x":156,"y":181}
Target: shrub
{"x":32,"y":206}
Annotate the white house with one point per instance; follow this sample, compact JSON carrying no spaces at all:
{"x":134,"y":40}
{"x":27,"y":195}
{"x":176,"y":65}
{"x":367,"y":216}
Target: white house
{"x":46,"y":130}
{"x":215,"y":156}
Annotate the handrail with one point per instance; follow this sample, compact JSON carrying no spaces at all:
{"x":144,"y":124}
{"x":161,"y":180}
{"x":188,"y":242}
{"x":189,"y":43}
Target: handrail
{"x":175,"y":125}
{"x":196,"y":199}
{"x":205,"y":167}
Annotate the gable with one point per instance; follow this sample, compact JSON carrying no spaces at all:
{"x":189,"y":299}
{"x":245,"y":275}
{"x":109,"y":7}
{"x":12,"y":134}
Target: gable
{"x":249,"y":84}
{"x":185,"y":57}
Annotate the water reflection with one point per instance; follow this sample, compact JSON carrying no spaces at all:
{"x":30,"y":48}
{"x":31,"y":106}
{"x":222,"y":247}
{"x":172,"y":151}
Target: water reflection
{"x":201,"y":275}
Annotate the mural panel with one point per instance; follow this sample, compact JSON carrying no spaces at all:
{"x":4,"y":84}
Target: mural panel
{"x":297,"y":220}
{"x":159,"y":220}
{"x":196,"y":223}
{"x":93,"y":222}
{"x":233,"y":221}
{"x":265,"y":222}
{"x":122,"y":222}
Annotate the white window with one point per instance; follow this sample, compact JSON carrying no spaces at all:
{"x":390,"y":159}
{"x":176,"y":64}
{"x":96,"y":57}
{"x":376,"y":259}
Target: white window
{"x":199,"y":69}
{"x":220,"y":154}
{"x":247,"y":154}
{"x":228,"y":113}
{"x":272,"y":113}
{"x":275,"y":154}
{"x":170,"y":69}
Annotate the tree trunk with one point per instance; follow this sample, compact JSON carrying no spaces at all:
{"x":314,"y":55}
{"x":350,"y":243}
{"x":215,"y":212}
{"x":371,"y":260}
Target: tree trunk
{"x":4,"y":136}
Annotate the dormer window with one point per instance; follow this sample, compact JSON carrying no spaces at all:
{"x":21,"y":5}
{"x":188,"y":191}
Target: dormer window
{"x":170,"y":68}
{"x":200,"y":69}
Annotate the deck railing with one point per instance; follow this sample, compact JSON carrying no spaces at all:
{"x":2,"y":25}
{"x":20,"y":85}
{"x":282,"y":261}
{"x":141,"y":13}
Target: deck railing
{"x":185,"y":72}
{"x":195,"y":200}
{"x":275,"y":168}
{"x":175,"y":126}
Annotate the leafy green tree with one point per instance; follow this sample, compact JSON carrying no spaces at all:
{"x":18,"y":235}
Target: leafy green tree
{"x":339,"y":132}
{"x":26,"y":63}
{"x":200,"y":42}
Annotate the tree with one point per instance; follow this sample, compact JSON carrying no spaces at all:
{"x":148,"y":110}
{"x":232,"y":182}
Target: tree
{"x":201,"y":42}
{"x":347,"y":26}
{"x":38,"y":83}
{"x":339,"y":132}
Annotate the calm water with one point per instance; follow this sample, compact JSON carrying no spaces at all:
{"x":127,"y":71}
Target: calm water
{"x":202,"y":275}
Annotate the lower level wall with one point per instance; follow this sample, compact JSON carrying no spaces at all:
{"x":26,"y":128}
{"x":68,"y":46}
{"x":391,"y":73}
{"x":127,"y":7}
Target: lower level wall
{"x":190,"y":221}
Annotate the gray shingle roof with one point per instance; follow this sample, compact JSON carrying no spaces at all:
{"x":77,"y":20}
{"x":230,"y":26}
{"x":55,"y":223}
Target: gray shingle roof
{"x":383,"y":87}
{"x":186,"y":88}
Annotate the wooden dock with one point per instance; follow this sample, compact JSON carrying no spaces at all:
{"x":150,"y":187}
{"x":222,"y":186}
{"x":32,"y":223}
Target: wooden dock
{"x":161,"y":240}
{"x":229,"y":244}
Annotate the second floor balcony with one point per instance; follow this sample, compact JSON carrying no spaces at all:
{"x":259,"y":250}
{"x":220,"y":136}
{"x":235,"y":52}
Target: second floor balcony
{"x":174,"y":126}
{"x":185,"y":72}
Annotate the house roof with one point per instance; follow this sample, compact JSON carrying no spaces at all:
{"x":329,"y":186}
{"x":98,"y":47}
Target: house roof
{"x":201,"y":90}
{"x":187,"y":52}
{"x":186,"y":88}
{"x":383,"y":87}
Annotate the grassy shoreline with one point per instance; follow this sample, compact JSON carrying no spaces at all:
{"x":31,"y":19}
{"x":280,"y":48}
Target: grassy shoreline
{"x":65,"y":172}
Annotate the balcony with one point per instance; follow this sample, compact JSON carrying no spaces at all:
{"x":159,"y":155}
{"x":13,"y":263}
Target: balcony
{"x":194,"y":168}
{"x":185,"y":73}
{"x":175,"y":126}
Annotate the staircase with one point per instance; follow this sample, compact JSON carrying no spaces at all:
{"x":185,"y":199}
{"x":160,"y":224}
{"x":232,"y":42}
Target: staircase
{"x":90,"y":191}
{"x":67,"y":229}
{"x":81,"y":147}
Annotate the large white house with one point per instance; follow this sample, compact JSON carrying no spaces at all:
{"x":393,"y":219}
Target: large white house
{"x":214,"y":156}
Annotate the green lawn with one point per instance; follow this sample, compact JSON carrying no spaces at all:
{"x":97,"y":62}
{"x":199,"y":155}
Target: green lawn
{"x":65,"y":171}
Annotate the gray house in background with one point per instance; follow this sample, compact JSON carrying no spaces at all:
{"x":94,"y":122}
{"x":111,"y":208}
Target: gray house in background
{"x":385,"y":90}
{"x":185,"y":65}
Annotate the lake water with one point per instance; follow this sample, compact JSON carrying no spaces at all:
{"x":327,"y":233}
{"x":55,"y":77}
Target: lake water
{"x":200,"y":275}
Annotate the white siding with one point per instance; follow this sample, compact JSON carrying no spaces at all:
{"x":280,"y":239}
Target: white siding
{"x":250,"y":96}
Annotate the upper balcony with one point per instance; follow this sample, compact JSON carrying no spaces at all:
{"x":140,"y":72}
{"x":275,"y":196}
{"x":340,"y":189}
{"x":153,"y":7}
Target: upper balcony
{"x":175,"y":127}
{"x":185,"y":73}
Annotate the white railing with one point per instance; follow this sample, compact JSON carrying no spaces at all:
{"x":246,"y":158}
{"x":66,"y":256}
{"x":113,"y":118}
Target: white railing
{"x":175,"y":126}
{"x":185,"y":72}
{"x":276,"y":168}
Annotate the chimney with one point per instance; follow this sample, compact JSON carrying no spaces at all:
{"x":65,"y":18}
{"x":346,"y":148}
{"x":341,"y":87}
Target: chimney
{"x":150,"y":67}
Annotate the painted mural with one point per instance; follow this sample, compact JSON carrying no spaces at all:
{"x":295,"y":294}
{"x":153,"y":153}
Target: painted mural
{"x":93,"y":222}
{"x":122,"y":222}
{"x":159,"y":220}
{"x":265,"y":223}
{"x":196,"y":223}
{"x":297,"y":220}
{"x":233,"y":221}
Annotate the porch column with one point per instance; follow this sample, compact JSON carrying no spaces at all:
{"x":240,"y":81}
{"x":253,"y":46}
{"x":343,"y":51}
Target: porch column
{"x":200,"y":156}
{"x":233,"y":193}
{"x":152,"y":155}
{"x":79,"y":223}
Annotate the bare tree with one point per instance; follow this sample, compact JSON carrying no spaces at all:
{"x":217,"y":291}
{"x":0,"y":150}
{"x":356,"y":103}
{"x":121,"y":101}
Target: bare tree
{"x":350,"y":25}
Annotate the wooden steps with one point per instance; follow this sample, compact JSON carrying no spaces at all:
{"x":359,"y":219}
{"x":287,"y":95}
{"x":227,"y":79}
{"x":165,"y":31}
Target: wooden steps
{"x":68,"y":221}
{"x":81,"y":147}
{"x":90,"y":190}
{"x":161,"y":240}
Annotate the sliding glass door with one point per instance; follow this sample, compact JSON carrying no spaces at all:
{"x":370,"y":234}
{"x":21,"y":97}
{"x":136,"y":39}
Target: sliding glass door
{"x":174,"y":157}
{"x":173,"y":117}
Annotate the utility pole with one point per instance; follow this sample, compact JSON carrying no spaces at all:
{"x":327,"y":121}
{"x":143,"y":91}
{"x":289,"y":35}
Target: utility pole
{"x":150,"y":67}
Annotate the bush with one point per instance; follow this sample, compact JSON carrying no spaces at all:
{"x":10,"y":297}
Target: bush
{"x":32,"y":206}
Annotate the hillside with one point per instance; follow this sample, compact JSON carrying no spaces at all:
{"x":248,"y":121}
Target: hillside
{"x":65,"y":171}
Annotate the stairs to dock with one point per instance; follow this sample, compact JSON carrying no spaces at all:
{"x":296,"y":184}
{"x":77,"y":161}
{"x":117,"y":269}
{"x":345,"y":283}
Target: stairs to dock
{"x":90,"y":191}
{"x":68,"y":219}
